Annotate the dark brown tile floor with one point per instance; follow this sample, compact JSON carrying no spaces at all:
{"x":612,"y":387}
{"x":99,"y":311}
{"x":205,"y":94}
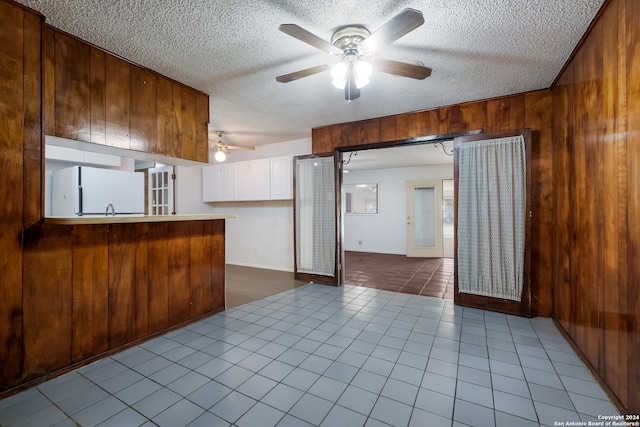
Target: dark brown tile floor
{"x":419,"y":276}
{"x":246,"y":284}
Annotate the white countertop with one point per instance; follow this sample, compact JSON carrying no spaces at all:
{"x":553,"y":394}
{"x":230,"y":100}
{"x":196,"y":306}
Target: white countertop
{"x":123,"y":219}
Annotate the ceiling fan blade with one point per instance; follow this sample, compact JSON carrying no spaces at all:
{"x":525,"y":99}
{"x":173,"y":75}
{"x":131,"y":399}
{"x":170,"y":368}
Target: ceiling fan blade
{"x":301,"y":34}
{"x":401,"y":24}
{"x":286,"y":78}
{"x":401,"y":68}
{"x":224,"y":149}
{"x":240,"y":147}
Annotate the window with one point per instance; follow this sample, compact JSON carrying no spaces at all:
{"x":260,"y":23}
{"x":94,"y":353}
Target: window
{"x":360,"y":198}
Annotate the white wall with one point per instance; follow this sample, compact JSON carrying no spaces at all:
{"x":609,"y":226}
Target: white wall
{"x":386,"y":232}
{"x":262,"y":235}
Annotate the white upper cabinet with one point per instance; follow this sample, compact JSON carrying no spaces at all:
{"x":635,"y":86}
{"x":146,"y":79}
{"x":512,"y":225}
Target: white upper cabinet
{"x":261,"y":179}
{"x":281,"y":178}
{"x":217,"y":182}
{"x":251,"y":179}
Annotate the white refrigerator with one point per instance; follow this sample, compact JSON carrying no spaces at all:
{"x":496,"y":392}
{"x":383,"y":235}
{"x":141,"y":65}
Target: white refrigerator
{"x":81,"y":190}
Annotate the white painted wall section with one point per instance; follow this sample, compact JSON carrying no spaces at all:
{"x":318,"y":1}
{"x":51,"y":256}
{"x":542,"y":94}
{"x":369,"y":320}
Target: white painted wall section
{"x":386,"y":232}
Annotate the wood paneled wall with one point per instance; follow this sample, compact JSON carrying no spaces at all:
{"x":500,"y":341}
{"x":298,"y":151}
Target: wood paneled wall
{"x":596,"y":264}
{"x":20,"y":115}
{"x":72,"y":293}
{"x":89,"y":289}
{"x":528,"y":110}
{"x":94,"y":96}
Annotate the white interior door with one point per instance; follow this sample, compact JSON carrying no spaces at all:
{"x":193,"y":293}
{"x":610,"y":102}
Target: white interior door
{"x":160,"y":192}
{"x":424,"y":219}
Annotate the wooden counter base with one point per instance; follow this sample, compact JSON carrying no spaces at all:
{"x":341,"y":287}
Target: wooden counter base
{"x":92,"y":288}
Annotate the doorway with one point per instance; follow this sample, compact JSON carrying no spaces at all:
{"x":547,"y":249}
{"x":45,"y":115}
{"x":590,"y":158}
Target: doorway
{"x":424,"y":219}
{"x":375,"y":244}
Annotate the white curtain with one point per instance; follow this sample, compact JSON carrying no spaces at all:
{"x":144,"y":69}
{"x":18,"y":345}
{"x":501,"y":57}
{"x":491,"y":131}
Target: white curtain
{"x":315,"y":216}
{"x":491,"y":217}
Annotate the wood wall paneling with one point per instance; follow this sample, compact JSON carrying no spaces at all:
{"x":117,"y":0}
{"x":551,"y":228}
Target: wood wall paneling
{"x":72,"y":89}
{"x":142,"y":281}
{"x":449,"y":118}
{"x":473,"y":116}
{"x":118,"y":102}
{"x":215,"y":242}
{"x":47,"y":299}
{"x":49,"y":80}
{"x":12,"y":63}
{"x":428,"y":123}
{"x":90,"y":301}
{"x":614,"y":364}
{"x":202,"y":128}
{"x":631,"y":17}
{"x":596,"y":104}
{"x":103,"y":99}
{"x":537,"y":105}
{"x":175,"y":147}
{"x":164,"y":110}
{"x":199,"y":277}
{"x":388,"y":129}
{"x":143,"y":110}
{"x":179,"y":287}
{"x":122,"y":287}
{"x":158,"y":277}
{"x":98,"y":97}
{"x":188,"y":110}
{"x":33,"y":159}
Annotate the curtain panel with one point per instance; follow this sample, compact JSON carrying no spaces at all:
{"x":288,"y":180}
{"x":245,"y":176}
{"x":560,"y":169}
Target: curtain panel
{"x":315,"y":216}
{"x":492,"y":217}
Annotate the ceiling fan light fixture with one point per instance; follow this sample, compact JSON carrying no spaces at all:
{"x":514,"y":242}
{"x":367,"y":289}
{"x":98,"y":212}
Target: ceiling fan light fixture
{"x":362,"y":72}
{"x":220,"y":156}
{"x":353,"y":42}
{"x":339,"y":74}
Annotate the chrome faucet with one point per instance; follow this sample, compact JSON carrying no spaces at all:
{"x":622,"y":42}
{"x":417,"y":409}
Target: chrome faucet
{"x":113,"y":210}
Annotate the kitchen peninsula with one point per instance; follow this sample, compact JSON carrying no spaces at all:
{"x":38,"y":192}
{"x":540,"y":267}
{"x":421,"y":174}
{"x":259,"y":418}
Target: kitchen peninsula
{"x":78,"y":289}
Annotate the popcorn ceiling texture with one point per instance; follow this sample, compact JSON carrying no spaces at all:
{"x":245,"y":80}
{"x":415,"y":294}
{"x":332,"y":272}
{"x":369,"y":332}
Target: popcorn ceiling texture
{"x":233,"y":51}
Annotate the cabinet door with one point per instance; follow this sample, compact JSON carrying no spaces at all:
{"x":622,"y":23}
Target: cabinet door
{"x":251,"y":180}
{"x":225,"y":180}
{"x":281,"y":178}
{"x":217,"y":183}
{"x":210,"y":187}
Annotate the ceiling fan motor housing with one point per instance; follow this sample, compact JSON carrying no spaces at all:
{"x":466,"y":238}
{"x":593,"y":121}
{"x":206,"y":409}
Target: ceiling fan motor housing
{"x":347,"y":39}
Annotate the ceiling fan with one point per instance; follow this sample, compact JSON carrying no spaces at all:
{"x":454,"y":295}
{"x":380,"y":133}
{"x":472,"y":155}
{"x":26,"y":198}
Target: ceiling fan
{"x":353,"y":42}
{"x":223,"y":149}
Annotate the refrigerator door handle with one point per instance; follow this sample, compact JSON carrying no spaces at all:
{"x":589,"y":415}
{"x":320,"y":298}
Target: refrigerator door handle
{"x":79,"y":200}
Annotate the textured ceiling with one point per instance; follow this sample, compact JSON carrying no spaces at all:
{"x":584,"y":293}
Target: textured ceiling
{"x":233,"y":51}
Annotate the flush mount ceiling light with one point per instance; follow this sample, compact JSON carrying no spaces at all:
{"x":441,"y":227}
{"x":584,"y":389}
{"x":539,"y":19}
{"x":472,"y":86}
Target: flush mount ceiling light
{"x":352,"y":43}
